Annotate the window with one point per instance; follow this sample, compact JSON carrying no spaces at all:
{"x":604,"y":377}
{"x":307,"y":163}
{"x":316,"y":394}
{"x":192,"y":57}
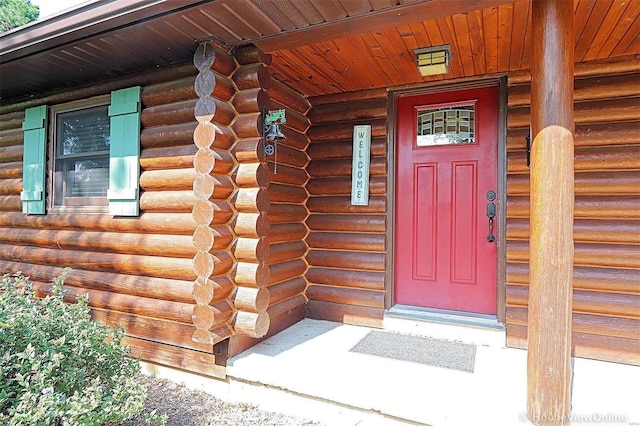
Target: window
{"x":93,"y":157}
{"x":448,"y":125}
{"x":81,"y":158}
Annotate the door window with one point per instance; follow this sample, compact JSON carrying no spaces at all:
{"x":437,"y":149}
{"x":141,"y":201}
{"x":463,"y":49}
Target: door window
{"x":445,"y":125}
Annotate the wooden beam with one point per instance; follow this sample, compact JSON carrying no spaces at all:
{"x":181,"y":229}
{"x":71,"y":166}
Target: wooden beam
{"x":385,"y":18}
{"x":552,"y":201}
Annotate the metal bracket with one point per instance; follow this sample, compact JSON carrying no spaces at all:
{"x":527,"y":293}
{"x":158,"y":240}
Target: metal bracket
{"x":277,"y":116}
{"x":271,"y":121}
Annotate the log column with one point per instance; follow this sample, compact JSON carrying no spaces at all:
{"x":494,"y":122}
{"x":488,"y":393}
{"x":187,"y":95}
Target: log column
{"x":210,"y":190}
{"x":552,"y":201}
{"x":251,"y":200}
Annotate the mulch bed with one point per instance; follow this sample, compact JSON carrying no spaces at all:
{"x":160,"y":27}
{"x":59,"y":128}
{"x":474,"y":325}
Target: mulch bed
{"x":187,"y":407}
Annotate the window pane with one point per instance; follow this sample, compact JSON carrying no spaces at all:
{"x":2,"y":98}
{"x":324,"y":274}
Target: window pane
{"x":81,"y":161}
{"x":446,"y":125}
{"x":87,"y":177}
{"x":83,"y":131}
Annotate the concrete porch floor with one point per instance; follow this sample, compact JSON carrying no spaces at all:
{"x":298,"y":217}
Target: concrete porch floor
{"x":309,"y":371}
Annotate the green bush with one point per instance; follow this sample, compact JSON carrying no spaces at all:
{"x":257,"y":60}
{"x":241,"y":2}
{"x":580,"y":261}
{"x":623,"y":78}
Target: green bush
{"x":57,"y":366}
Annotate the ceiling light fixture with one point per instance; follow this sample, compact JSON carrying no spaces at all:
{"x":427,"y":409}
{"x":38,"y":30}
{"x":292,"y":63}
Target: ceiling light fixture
{"x":433,"y":60}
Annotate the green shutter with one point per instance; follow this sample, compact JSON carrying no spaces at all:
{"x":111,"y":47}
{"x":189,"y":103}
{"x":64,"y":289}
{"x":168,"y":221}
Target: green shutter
{"x":34,"y":158}
{"x":124,"y":151}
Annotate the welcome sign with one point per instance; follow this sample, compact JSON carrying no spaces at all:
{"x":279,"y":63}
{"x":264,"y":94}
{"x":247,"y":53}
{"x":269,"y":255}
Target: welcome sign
{"x":360,"y":167}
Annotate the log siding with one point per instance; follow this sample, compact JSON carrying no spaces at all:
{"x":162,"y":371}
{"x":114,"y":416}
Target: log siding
{"x":289,"y":244}
{"x":138,"y":271}
{"x":287,"y":192}
{"x":346,"y":274}
{"x":347,"y":249}
{"x":211,"y":262}
{"x":271,"y":194}
{"x":606,"y":318}
{"x":251,"y":201}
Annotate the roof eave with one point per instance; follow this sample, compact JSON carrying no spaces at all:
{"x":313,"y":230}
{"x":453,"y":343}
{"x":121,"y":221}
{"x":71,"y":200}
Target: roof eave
{"x":87,"y":20}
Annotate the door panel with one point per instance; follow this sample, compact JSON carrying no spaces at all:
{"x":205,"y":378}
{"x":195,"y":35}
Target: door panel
{"x":463,"y":223}
{"x":447,"y":162}
{"x":424,"y":239}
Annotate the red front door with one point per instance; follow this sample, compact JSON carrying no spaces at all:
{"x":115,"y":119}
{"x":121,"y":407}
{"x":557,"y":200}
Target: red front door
{"x":446,"y":183}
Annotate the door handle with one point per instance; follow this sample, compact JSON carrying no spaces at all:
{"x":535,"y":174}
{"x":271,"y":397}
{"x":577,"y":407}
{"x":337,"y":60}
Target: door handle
{"x":491,"y":213}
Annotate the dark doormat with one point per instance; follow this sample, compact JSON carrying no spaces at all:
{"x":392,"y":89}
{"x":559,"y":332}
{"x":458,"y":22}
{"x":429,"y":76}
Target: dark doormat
{"x":425,"y":350}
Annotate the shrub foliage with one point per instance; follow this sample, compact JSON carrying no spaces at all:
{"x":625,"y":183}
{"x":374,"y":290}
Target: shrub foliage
{"x":58,"y":366}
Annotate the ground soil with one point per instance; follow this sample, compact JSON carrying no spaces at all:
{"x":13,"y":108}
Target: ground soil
{"x":186,"y":407}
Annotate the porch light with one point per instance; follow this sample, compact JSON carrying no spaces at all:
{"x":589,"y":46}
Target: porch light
{"x":433,"y":60}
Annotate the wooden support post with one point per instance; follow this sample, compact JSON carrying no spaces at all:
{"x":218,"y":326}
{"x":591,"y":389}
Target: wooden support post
{"x":552,"y":198}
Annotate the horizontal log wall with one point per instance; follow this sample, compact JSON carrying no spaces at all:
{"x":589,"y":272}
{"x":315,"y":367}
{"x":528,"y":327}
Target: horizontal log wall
{"x":139,"y":272}
{"x":287,"y":191}
{"x":347,"y":250}
{"x":606,"y":300}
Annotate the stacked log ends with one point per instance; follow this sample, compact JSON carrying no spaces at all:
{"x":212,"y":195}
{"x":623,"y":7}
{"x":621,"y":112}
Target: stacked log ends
{"x":251,"y":200}
{"x":211,"y":322}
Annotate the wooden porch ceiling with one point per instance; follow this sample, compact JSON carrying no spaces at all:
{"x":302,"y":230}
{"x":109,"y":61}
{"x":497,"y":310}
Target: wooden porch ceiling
{"x":492,"y":40}
{"x":318,"y":46}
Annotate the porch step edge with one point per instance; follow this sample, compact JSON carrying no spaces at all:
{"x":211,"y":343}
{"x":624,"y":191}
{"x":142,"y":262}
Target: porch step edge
{"x":330,"y":412}
{"x":464,"y":327}
{"x":278,"y":399}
